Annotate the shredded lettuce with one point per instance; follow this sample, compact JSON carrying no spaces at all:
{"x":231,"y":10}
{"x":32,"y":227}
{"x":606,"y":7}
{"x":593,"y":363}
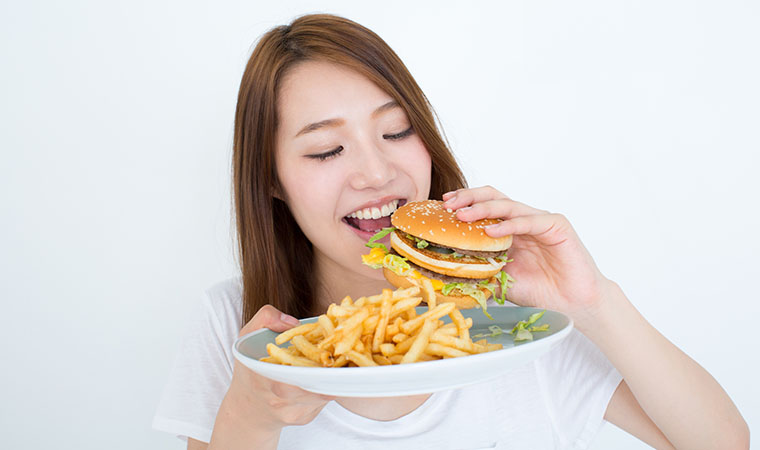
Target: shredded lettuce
{"x":471,"y":290}
{"x":522,"y":331}
{"x":396,"y":264}
{"x":505,"y":281}
{"x":379,"y":235}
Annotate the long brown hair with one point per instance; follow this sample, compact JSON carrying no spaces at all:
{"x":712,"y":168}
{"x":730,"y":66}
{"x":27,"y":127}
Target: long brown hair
{"x":276,"y":258}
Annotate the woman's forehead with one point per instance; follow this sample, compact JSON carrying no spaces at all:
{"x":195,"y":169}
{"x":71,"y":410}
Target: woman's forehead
{"x":314,"y":91}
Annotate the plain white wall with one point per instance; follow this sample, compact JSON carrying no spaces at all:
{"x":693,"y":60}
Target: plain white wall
{"x":638,"y":120}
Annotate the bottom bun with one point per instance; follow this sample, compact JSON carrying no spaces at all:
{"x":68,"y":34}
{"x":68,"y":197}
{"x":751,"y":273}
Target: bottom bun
{"x":462,"y":301}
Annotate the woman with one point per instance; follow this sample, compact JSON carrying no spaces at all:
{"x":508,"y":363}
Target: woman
{"x":330,"y":122}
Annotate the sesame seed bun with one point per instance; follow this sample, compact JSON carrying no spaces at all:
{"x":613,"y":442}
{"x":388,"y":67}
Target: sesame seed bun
{"x":430,"y":221}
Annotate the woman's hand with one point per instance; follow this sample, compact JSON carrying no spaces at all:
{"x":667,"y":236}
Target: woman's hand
{"x":255,"y":409}
{"x":551,"y":266}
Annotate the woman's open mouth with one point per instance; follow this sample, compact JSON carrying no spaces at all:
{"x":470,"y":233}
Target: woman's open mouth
{"x":374,"y":219}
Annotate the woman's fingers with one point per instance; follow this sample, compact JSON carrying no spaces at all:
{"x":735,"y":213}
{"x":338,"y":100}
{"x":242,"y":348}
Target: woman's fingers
{"x":466,"y":197}
{"x":502,"y":208}
{"x":269,"y":317}
{"x":533,"y":225}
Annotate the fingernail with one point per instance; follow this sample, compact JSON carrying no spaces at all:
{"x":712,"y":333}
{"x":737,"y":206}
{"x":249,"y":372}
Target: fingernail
{"x":450,"y":199}
{"x":491,"y":226}
{"x":465,"y":208}
{"x":288,"y":319}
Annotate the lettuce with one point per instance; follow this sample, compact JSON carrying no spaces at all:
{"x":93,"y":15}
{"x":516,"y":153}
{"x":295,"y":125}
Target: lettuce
{"x":379,"y":235}
{"x":471,"y":290}
{"x":505,"y":281}
{"x":396,"y":264}
{"x":421,"y":243}
{"x":523,"y":331}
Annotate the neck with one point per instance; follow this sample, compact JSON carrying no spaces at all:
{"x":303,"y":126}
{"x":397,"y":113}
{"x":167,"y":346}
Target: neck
{"x":335,"y":282}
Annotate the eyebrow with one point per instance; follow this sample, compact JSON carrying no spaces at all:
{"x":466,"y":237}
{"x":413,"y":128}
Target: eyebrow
{"x":329,"y":123}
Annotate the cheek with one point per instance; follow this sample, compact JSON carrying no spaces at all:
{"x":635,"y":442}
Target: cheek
{"x":310,"y":195}
{"x":418,"y":165}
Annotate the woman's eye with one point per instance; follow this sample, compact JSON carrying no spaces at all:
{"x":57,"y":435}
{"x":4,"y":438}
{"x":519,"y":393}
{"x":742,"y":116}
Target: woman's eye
{"x":327,"y":155}
{"x":397,"y":136}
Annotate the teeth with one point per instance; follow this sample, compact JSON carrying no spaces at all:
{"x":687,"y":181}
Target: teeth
{"x":375,"y":213}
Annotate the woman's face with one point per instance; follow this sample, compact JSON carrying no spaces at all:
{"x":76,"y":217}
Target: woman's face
{"x":346,"y":158}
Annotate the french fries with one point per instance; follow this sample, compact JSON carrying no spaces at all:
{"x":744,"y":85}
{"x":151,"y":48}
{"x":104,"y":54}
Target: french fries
{"x":380,"y":330}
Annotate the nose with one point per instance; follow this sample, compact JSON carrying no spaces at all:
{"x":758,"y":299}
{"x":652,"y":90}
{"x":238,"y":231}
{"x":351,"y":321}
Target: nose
{"x":373,"y":169}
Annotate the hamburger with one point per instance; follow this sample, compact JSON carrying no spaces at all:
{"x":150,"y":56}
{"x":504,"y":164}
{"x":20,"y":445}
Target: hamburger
{"x":463,"y":264}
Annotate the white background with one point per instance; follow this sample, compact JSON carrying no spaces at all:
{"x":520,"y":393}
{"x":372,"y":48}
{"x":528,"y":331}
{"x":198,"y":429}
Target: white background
{"x":638,"y":120}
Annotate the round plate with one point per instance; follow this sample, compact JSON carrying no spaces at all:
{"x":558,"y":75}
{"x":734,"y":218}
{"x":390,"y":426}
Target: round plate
{"x":419,"y":377}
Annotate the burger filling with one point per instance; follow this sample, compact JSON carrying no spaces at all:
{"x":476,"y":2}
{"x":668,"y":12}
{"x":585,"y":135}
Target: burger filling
{"x":382,"y":257}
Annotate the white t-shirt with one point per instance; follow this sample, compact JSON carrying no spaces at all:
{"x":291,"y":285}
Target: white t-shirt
{"x":554,"y":402}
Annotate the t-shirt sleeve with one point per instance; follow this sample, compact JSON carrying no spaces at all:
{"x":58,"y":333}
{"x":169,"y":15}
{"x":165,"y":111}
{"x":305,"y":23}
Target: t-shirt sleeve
{"x":201,"y":373}
{"x":577,"y":382}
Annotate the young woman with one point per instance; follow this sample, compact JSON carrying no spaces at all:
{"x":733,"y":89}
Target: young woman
{"x":329,"y":122}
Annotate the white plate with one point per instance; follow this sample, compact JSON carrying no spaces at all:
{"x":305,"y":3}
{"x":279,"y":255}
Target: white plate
{"x":416,"y":378}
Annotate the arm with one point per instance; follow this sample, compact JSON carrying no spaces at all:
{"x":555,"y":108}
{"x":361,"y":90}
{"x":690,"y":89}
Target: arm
{"x":666,"y":399}
{"x":256,"y":409}
{"x":657,"y":399}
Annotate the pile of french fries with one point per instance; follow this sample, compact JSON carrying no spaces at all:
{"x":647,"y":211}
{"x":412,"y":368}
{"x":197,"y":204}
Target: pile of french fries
{"x":379,"y":330}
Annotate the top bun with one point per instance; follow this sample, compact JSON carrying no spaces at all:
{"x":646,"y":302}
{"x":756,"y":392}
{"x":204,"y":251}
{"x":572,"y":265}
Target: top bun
{"x":430,"y":221}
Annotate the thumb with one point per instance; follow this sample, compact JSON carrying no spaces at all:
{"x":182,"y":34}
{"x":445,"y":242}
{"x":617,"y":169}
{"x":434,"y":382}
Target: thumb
{"x":269,"y":317}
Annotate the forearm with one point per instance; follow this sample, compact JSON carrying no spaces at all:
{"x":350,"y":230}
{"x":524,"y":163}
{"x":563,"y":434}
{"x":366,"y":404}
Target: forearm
{"x":680,"y":397}
{"x":233,"y":432}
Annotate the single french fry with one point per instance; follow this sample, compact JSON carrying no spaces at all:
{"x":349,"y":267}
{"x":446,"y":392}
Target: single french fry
{"x":370,"y":324}
{"x":361,"y":301}
{"x":396,"y":359}
{"x":404,"y":306}
{"x":310,"y":350}
{"x":347,"y":343}
{"x":458,"y":319}
{"x":360,"y":359}
{"x":315,"y":335}
{"x":435,"y":313}
{"x":340,"y":361}
{"x":287,"y":335}
{"x":327,"y":324}
{"x":449,"y":331}
{"x":354,"y":320}
{"x":427,"y":357}
{"x":410,"y":313}
{"x":269,"y":359}
{"x":400,"y":337}
{"x":346,"y":301}
{"x":338,"y":311}
{"x":428,"y":293}
{"x":444,"y":351}
{"x":403,"y":293}
{"x":285,"y":357}
{"x":421,"y":341}
{"x":393,"y":328}
{"x":387,"y":349}
{"x":481,"y":342}
{"x":381,"y":360}
{"x":382,"y":324}
{"x":451,"y":341}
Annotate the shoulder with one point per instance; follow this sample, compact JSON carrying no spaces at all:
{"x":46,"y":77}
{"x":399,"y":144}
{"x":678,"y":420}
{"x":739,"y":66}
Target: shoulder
{"x":224,"y":301}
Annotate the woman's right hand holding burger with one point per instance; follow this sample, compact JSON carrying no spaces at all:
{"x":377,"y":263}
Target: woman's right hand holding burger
{"x":255,"y":408}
